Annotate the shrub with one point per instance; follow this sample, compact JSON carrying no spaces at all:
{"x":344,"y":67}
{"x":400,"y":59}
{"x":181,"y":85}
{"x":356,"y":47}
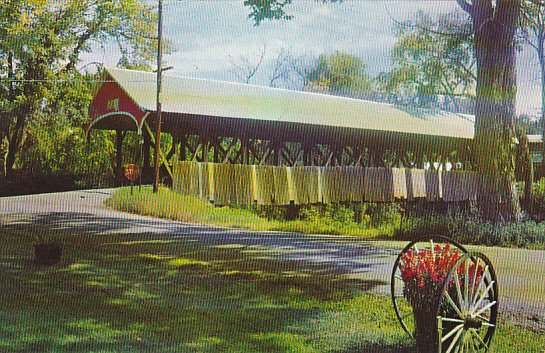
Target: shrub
{"x":414,"y":226}
{"x":329,"y":216}
{"x":380,"y":214}
{"x":538,"y":194}
{"x":473,"y":230}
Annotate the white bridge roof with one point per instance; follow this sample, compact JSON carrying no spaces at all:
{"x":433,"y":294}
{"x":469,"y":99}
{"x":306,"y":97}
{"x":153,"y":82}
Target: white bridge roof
{"x":203,"y":97}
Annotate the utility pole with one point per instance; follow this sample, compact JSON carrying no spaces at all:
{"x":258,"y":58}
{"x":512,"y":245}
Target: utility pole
{"x":159,"y":77}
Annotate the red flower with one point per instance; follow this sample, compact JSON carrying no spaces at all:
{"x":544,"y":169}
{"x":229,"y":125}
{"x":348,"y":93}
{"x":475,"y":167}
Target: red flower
{"x":425,"y":272}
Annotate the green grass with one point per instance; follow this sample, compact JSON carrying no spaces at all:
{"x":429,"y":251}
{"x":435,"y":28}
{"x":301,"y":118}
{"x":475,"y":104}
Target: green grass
{"x":170,"y":205}
{"x":145,"y":293}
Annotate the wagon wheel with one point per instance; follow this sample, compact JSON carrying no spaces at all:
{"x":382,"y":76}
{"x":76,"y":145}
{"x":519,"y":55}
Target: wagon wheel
{"x":468,"y":305}
{"x":402,"y":307}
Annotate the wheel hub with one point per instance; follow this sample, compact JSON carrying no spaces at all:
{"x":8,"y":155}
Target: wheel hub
{"x":472,"y":323}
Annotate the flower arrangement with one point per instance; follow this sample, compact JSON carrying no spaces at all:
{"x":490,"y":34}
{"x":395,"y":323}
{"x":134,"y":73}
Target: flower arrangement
{"x":424,"y":274}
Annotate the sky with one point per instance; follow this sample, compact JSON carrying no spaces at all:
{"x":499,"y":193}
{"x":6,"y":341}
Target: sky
{"x":210,"y":36}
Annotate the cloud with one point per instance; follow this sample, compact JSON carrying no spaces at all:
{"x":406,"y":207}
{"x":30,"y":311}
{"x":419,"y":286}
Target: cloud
{"x":210,"y":35}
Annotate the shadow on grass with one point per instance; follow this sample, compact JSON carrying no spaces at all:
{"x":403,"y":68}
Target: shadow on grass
{"x":181,"y":288}
{"x":374,"y":348}
{"x":320,"y":253}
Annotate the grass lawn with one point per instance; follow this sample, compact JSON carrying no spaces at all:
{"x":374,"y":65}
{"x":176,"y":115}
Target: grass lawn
{"x":147,"y":293}
{"x":170,"y":205}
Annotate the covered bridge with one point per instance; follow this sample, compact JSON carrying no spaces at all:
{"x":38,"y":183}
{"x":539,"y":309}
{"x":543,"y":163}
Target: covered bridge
{"x":225,"y":122}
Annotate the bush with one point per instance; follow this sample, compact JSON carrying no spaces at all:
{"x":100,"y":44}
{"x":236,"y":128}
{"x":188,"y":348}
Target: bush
{"x":367,"y":220}
{"x":414,"y":226}
{"x":380,"y":214}
{"x":469,"y":228}
{"x":473,"y":230}
{"x":332,"y":213}
{"x":538,"y":194}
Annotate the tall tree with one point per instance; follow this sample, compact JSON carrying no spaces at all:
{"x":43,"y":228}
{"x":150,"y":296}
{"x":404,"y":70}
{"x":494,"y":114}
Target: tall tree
{"x":339,"y":73}
{"x":494,"y":26}
{"x":41,"y":44}
{"x":432,"y":57}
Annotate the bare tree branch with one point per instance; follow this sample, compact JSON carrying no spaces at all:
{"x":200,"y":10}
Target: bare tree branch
{"x":413,"y":25}
{"x":280,"y":68}
{"x":246,"y":70}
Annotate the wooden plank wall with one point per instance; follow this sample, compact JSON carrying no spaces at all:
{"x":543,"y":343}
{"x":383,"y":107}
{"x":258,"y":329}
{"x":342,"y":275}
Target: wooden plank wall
{"x":236,"y":184}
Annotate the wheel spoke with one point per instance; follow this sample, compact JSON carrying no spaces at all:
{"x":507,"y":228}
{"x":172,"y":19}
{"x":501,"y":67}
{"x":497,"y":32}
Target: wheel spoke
{"x":488,"y":277}
{"x":460,"y":342}
{"x":483,"y":296}
{"x":472,"y":342}
{"x":478,"y":337}
{"x":481,"y":281}
{"x":451,"y":302}
{"x":484,"y":308}
{"x":452,"y":320}
{"x":454,"y":341}
{"x":466,"y":284}
{"x":454,"y":330}
{"x":466,"y":342}
{"x":487,"y":324}
{"x":458,"y":290}
{"x":473,"y":282}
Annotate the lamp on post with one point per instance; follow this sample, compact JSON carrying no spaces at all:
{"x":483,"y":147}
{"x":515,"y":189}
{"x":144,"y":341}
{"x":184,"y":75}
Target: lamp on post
{"x":158,"y":111}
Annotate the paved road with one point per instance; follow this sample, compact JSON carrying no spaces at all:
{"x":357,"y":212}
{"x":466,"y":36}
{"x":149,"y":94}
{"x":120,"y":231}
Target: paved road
{"x":521,"y":272}
{"x":83,"y":211}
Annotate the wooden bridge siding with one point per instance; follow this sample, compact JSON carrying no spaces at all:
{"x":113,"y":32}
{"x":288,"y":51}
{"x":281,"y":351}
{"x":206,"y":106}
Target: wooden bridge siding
{"x":302,"y":144}
{"x":238,"y":184}
{"x":241,"y":150}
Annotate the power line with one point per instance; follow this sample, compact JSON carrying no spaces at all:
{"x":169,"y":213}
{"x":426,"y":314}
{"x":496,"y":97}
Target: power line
{"x":65,"y":80}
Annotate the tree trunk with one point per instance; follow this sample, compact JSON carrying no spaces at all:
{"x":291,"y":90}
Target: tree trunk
{"x":15,"y":138}
{"x":495,"y":140}
{"x":541,"y":56}
{"x":120,"y":135}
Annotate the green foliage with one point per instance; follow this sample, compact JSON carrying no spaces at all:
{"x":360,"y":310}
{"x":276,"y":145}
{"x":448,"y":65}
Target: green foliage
{"x":54,"y":142}
{"x":267,"y":10}
{"x":339,"y":73}
{"x":538,"y":194}
{"x":41,"y":46}
{"x":331,"y":213}
{"x":365,"y":220}
{"x":413,"y":226}
{"x":381,"y":214}
{"x":52,"y":147}
{"x":261,"y":10}
{"x":433,"y":57}
{"x":376,"y":220}
{"x":170,"y":205}
{"x":471,"y":229}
